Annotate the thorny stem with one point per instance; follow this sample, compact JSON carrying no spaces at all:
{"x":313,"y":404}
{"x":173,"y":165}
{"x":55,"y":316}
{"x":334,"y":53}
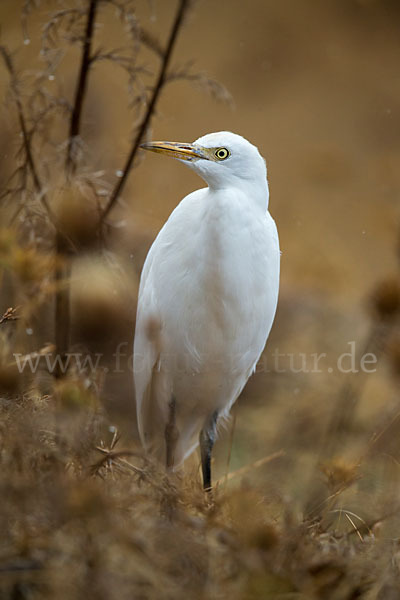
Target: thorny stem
{"x":182,"y":8}
{"x":75,"y":122}
{"x":62,"y":314}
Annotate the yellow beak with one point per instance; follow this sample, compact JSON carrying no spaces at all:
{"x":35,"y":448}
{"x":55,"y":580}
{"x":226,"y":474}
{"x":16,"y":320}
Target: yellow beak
{"x":176,"y":150}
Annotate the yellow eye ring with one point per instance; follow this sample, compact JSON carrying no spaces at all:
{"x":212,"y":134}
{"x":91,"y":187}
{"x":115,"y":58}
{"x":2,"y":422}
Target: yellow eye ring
{"x":221,"y":153}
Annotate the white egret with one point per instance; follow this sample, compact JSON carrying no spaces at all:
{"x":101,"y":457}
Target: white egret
{"x":207,"y":299}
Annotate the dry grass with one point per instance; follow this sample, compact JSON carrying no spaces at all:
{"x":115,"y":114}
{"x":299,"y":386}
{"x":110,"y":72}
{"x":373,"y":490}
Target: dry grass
{"x":82,"y":516}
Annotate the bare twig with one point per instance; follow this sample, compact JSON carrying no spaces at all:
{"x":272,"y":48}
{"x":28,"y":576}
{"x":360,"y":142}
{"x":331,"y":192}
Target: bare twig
{"x":50,"y":32}
{"x":62,"y":272}
{"x":113,"y":458}
{"x":215,"y":89}
{"x":368,"y":526}
{"x":24,"y":358}
{"x":182,"y":8}
{"x":75,"y":122}
{"x":255,"y":465}
{"x":126,"y":12}
{"x":355,"y":528}
{"x":151,"y":42}
{"x":9,"y":315}
{"x":27,"y":136}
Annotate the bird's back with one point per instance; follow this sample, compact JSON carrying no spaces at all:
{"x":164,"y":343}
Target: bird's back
{"x":207,"y":300}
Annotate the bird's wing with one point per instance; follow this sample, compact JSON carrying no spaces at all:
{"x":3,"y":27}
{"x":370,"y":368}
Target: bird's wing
{"x":149,"y":382}
{"x":146,"y":352}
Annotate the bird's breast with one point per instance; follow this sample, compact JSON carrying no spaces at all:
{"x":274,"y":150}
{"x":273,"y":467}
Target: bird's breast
{"x":220,"y":295}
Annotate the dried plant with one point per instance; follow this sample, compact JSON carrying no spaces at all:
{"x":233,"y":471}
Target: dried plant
{"x":9,"y":315}
{"x":75,"y":24}
{"x":84,"y":513}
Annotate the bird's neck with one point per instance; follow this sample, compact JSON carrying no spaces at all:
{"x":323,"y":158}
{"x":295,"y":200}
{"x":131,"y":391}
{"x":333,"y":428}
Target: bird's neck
{"x":254,"y":194}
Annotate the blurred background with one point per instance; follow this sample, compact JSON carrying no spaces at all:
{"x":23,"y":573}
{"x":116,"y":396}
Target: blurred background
{"x":307,"y":471}
{"x":316,"y":86}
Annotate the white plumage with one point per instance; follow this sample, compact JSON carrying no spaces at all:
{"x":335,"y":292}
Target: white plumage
{"x":207,"y":298}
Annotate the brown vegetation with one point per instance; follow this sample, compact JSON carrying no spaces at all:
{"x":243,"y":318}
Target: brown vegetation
{"x":306,"y":504}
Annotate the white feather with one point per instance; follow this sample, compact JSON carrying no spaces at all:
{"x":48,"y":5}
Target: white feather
{"x":207,"y":298}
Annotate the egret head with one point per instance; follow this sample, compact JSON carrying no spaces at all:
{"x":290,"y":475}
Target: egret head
{"x":222,"y":159}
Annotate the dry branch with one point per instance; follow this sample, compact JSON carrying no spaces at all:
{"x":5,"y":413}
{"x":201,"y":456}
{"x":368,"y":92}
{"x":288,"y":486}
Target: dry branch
{"x":9,"y":315}
{"x":62,"y":272}
{"x":182,"y":8}
{"x":75,"y":122}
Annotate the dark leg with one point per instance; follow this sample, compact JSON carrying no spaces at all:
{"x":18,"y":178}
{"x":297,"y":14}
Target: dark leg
{"x":171,"y":434}
{"x":207,"y":438}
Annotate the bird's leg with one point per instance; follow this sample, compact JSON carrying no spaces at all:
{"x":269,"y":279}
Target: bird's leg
{"x":171,"y":434}
{"x":207,"y":438}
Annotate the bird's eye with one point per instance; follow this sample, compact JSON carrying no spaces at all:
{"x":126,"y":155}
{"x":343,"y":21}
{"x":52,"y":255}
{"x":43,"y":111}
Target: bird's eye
{"x":222,"y":153}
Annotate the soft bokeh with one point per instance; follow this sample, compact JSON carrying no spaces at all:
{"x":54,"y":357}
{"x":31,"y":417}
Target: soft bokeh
{"x":315,"y":85}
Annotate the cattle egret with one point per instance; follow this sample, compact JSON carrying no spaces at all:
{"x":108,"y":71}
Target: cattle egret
{"x":207,"y":299}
